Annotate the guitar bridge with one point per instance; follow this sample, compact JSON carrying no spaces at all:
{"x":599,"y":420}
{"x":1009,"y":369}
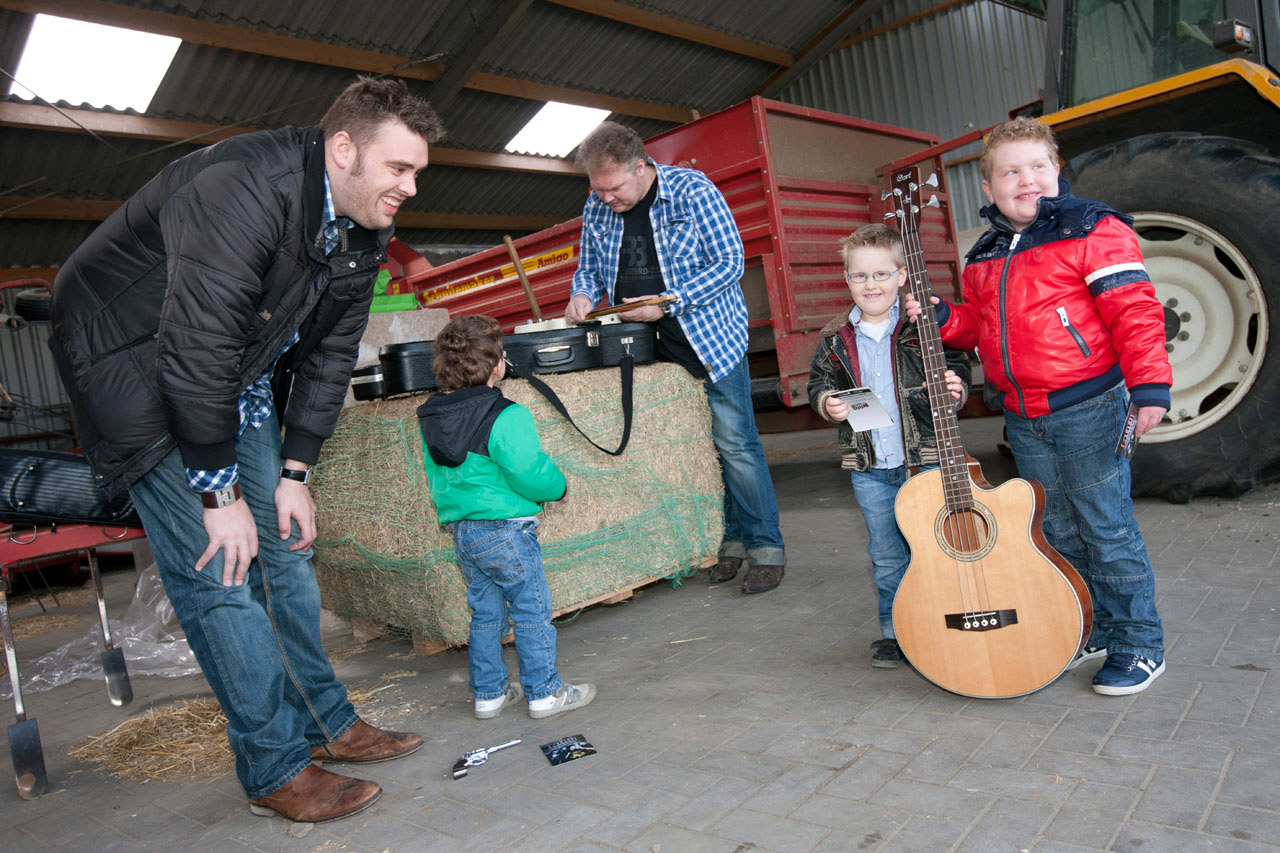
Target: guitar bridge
{"x":986,"y":620}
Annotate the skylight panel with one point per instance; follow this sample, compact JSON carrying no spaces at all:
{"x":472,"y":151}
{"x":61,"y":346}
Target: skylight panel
{"x":83,"y":63}
{"x":556,"y":129}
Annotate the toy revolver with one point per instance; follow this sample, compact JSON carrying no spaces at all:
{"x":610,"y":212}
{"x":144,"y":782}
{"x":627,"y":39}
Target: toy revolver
{"x":476,"y":757}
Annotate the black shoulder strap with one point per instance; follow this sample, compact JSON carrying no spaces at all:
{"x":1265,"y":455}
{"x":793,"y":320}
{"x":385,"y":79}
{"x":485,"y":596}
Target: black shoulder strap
{"x":627,"y":365}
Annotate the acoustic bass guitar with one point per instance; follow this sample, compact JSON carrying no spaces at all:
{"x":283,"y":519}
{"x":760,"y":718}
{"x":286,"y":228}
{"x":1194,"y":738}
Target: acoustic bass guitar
{"x":986,"y":608}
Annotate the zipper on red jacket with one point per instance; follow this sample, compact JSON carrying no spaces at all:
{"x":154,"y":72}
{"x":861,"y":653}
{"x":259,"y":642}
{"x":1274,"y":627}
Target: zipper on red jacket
{"x":1004,"y":327}
{"x":1066,"y":324}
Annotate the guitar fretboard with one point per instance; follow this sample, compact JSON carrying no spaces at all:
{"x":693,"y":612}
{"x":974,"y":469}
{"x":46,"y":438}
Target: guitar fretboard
{"x":957,"y":488}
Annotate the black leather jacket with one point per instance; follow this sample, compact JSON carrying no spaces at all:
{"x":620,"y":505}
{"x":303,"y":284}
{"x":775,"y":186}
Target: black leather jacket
{"x":834,"y":370}
{"x":189,"y":291}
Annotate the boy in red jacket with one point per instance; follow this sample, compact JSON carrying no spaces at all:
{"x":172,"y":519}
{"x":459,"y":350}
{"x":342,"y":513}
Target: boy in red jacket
{"x":1058,"y":304}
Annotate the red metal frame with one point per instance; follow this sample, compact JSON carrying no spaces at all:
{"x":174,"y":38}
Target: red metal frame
{"x":796,"y":180}
{"x":49,"y":542}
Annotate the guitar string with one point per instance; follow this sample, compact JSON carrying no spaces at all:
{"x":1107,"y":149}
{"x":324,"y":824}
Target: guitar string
{"x":966,"y":530}
{"x":906,"y":227}
{"x":969,"y":520}
{"x":916,"y":272}
{"x":961,"y":521}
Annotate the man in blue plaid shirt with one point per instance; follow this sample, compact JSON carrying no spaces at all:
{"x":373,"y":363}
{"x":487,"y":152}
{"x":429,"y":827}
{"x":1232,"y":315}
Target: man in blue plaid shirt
{"x":650,"y":230}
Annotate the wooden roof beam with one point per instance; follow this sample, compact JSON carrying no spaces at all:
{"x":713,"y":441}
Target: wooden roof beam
{"x":96,"y":210}
{"x":854,"y":16}
{"x":932,"y":11}
{"x":263,"y":43}
{"x":479,"y":48}
{"x":35,"y":117}
{"x":644,"y":19}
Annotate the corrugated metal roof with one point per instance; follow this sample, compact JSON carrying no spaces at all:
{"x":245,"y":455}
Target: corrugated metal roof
{"x":14,"y":28}
{"x":563,"y":47}
{"x":79,"y":166}
{"x":968,"y":65}
{"x":36,"y":243}
{"x":760,"y":21}
{"x":387,"y":26}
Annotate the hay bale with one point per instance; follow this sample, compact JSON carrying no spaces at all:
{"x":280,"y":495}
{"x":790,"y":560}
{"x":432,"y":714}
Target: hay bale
{"x":655,"y":511}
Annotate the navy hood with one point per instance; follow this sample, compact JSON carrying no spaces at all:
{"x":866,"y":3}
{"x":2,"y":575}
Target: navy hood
{"x":1059,"y":218}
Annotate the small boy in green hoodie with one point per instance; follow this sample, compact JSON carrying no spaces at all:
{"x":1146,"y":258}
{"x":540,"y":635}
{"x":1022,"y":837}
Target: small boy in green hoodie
{"x":489,"y":479}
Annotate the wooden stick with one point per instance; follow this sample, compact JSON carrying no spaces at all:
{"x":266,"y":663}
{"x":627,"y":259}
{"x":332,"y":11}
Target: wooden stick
{"x":524,"y":279}
{"x":627,"y":306}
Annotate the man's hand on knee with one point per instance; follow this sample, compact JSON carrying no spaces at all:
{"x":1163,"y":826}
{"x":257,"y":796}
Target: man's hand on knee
{"x":231,"y":529}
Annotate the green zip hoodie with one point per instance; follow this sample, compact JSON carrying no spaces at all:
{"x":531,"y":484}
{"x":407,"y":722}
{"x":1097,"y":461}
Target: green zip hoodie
{"x":483,"y":457}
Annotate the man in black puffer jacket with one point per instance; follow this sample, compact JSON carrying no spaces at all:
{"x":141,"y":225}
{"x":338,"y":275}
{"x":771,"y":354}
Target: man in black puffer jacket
{"x":249,"y":261}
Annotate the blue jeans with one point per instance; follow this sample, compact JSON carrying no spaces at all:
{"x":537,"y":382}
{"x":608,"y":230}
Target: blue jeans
{"x":258,"y":643}
{"x":501,"y":562}
{"x":876,"y":490}
{"x":1089,"y":517}
{"x":750,"y":507}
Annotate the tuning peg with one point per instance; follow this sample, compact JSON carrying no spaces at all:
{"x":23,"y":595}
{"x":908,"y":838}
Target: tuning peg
{"x":933,"y":202}
{"x":932,"y":180}
{"x":915,"y":209}
{"x":889,"y":215}
{"x":913,"y":186}
{"x":899,"y":214}
{"x":897,"y":191}
{"x":884,"y":194}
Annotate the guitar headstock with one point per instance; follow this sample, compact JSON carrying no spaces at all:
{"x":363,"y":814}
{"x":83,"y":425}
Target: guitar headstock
{"x":906,"y":191}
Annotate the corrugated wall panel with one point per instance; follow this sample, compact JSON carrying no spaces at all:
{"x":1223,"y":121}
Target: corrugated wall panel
{"x":948,"y":74}
{"x":39,"y":407}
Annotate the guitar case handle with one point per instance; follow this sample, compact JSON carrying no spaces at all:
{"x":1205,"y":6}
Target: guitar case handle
{"x":627,"y":365}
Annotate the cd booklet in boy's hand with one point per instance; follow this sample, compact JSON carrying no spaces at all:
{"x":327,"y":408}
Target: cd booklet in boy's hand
{"x":865,"y":410}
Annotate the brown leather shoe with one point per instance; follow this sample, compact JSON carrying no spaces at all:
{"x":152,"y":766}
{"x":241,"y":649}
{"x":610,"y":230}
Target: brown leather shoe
{"x":725,"y":570}
{"x":315,"y":796}
{"x":762,"y":578}
{"x":363,"y":744}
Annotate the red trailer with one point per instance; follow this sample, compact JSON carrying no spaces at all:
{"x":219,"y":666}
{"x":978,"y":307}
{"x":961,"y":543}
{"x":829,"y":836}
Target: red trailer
{"x":796,"y":179}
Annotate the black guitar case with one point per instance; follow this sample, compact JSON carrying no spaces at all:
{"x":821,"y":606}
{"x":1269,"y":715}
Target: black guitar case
{"x":406,"y":368}
{"x":47,"y":487}
{"x":367,"y":384}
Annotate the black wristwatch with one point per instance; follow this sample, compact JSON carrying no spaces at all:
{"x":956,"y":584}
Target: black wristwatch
{"x":219,"y":498}
{"x":302,"y":477}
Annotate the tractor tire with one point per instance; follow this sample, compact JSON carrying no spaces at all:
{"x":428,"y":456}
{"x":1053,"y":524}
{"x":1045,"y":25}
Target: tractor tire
{"x":1207,"y":213}
{"x":33,"y":305}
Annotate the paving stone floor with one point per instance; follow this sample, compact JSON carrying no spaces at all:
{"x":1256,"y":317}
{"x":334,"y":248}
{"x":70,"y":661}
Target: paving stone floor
{"x":730,"y":723}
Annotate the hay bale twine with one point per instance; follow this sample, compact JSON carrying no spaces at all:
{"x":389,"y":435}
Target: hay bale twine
{"x":655,"y":511}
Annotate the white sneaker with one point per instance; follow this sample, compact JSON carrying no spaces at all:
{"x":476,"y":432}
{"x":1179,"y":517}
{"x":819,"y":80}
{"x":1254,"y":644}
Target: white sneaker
{"x":487,"y":709}
{"x":570,"y":697}
{"x":1087,"y":654}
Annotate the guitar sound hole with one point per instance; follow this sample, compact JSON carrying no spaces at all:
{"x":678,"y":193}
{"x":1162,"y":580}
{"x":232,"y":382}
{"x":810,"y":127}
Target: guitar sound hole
{"x":966,"y":533}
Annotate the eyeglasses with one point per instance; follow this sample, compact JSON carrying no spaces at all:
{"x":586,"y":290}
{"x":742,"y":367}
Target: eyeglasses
{"x":878,"y":275}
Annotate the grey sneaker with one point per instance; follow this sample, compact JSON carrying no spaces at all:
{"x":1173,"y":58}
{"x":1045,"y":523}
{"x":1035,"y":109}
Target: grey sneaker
{"x":570,"y":697}
{"x":487,"y":709}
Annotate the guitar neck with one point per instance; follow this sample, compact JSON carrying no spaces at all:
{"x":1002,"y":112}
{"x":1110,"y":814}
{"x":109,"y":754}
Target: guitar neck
{"x":951,"y":455}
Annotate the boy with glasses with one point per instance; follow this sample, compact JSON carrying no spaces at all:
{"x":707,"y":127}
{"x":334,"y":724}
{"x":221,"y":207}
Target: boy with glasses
{"x":871,"y":346}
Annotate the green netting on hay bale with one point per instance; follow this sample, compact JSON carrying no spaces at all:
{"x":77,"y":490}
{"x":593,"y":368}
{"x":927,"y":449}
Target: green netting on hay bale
{"x":655,"y":511}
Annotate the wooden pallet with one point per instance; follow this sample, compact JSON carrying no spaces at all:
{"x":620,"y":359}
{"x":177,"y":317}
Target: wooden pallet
{"x":365,"y":630}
